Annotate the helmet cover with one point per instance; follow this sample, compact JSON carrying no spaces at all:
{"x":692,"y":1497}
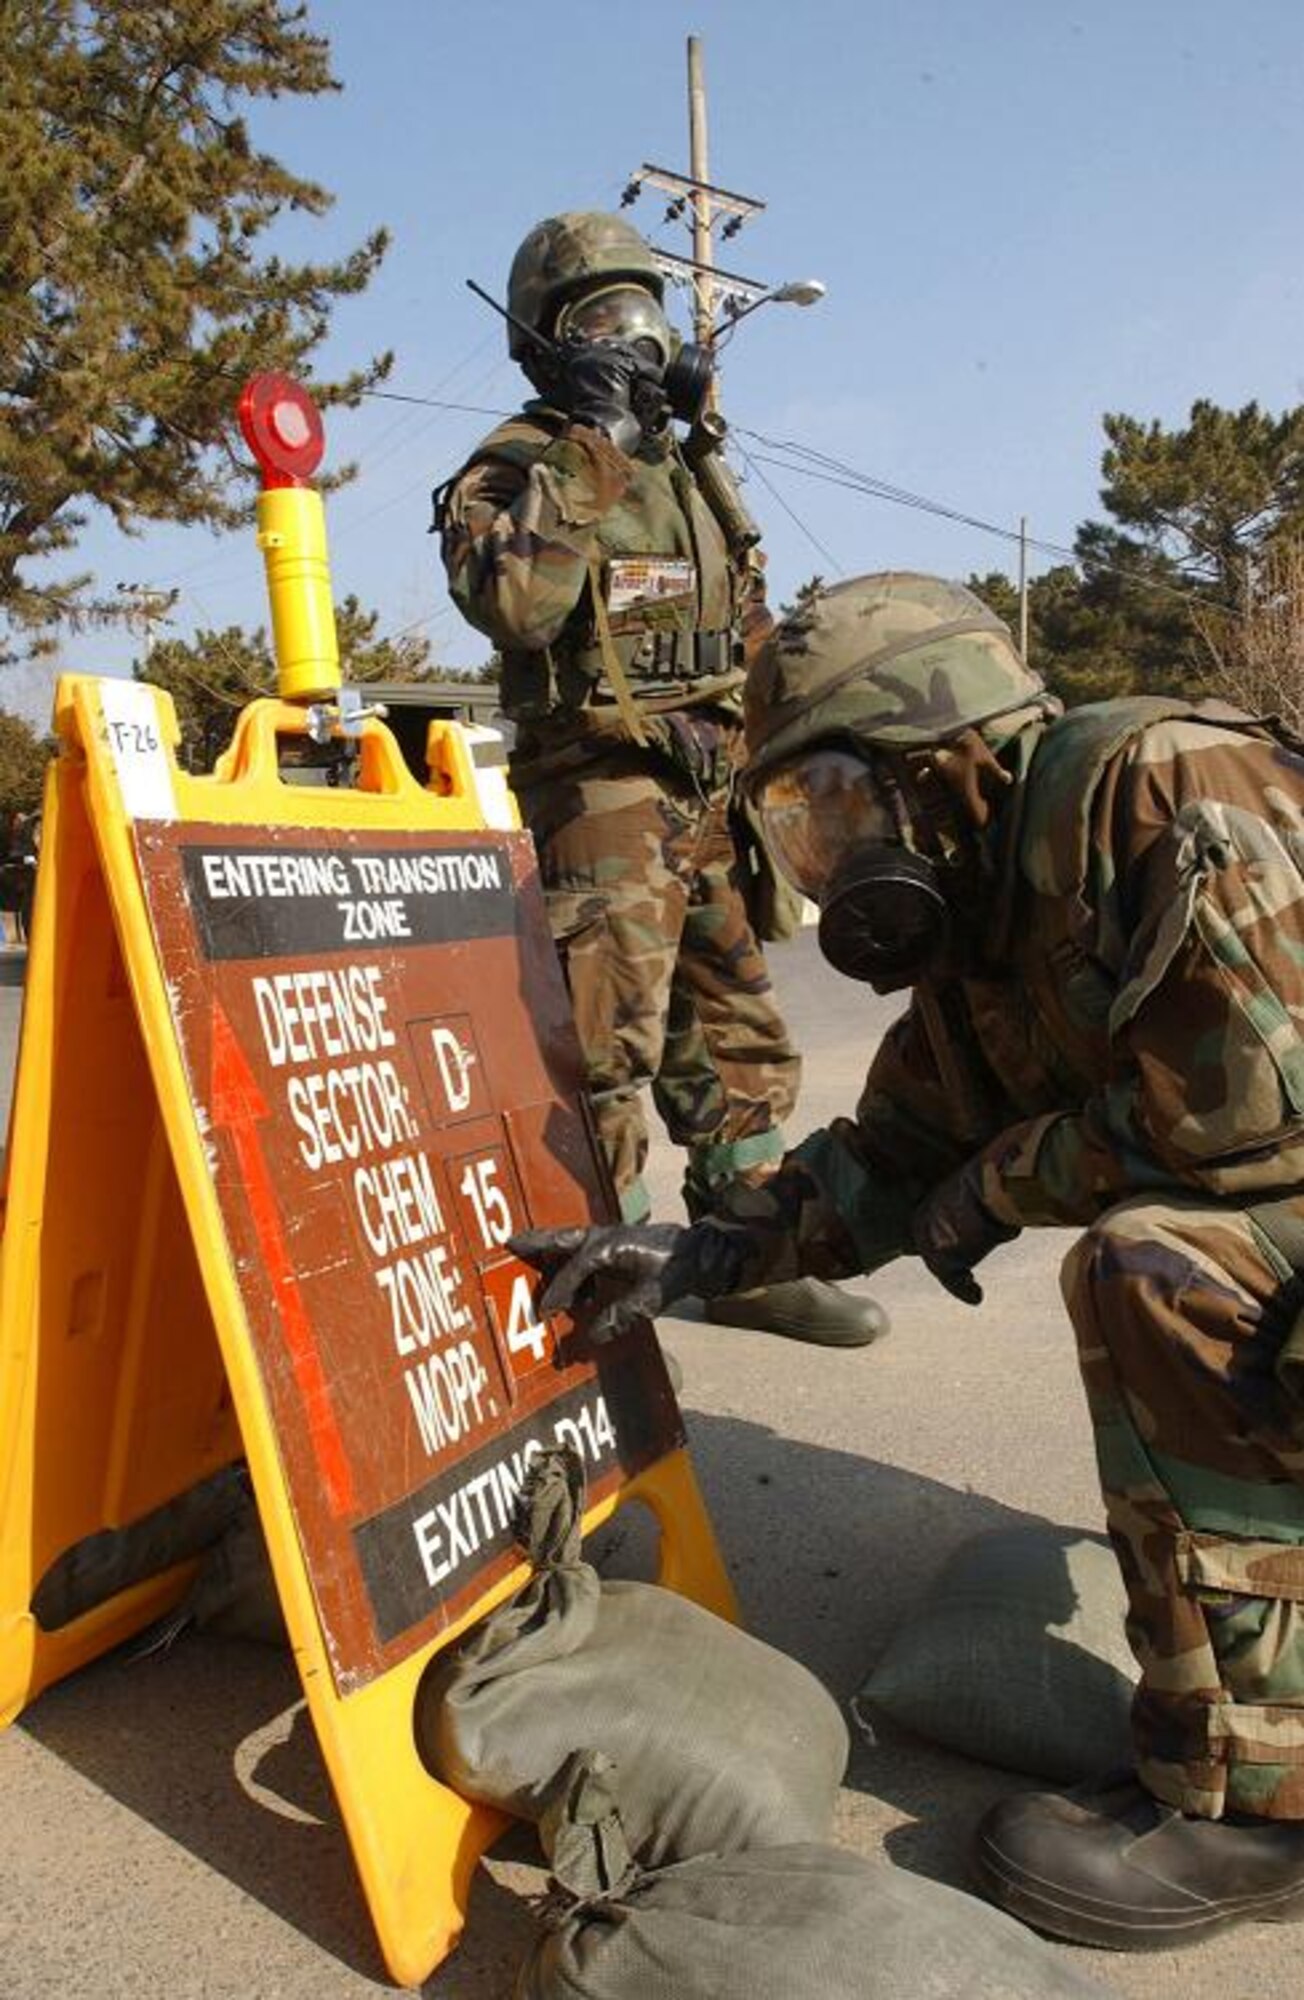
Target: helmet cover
{"x":897,"y":660}
{"x":569,"y":253}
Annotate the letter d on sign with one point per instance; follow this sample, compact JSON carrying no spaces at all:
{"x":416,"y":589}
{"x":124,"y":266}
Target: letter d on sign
{"x":454,"y":1067}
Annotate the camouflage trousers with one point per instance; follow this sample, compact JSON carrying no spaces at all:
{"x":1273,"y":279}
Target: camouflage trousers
{"x":1181,"y":1311}
{"x":667,"y":981}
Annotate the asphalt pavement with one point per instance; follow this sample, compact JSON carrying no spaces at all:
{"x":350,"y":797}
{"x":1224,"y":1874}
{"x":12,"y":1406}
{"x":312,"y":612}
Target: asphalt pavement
{"x":166,"y":1828}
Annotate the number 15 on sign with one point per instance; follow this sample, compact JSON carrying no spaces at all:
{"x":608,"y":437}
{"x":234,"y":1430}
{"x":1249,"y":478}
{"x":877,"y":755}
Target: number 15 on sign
{"x":481,"y":1188}
{"x":492,"y":1211}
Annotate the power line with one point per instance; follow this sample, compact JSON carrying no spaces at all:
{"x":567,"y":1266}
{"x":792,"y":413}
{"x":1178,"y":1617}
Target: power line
{"x":344,"y":528}
{"x":397,"y":430}
{"x":228,"y":653}
{"x":753,"y":465}
{"x":434,"y":403}
{"x":833,"y":472}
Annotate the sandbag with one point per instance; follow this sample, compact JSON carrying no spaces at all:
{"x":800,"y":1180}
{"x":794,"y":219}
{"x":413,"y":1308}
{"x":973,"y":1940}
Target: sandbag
{"x":1017,"y":1655}
{"x":113,"y":1559}
{"x":808,"y":1922}
{"x":234,"y":1594}
{"x":721,"y":1742}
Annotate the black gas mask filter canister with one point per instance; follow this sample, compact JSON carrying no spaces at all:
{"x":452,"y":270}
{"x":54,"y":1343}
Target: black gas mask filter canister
{"x":883,"y":917}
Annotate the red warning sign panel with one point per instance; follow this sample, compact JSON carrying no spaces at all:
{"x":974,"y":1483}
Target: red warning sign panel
{"x":382,"y":1059}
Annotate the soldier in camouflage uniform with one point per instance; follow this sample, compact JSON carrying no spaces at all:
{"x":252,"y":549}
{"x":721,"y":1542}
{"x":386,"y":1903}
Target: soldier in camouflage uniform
{"x":1099,"y":917}
{"x":582,"y":538}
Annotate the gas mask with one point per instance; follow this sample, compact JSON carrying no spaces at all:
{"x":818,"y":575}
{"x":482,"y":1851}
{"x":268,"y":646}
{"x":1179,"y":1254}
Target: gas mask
{"x":842,"y":832}
{"x":631,"y":314}
{"x":618,"y":312}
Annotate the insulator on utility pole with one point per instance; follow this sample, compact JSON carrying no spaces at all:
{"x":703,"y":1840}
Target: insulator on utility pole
{"x":694,"y":198}
{"x":714,"y":290}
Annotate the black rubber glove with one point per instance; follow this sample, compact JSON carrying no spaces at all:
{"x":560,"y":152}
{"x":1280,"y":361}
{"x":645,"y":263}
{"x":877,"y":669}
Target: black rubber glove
{"x":953,"y":1229}
{"x":602,"y":383}
{"x":629,"y":1271}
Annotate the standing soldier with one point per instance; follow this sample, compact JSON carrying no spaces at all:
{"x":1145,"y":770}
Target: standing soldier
{"x":1101,"y":918}
{"x":605,"y":562}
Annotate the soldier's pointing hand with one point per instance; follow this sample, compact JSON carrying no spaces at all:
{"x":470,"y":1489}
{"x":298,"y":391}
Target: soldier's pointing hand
{"x":628,"y":1272}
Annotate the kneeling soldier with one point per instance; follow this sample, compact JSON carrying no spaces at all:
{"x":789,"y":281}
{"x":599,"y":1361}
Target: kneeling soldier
{"x":1099,"y":916}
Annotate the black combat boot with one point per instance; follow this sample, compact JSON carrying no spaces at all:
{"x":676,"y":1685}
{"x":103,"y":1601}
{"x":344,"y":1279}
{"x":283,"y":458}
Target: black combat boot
{"x":806,"y":1309}
{"x":1111,"y":1865}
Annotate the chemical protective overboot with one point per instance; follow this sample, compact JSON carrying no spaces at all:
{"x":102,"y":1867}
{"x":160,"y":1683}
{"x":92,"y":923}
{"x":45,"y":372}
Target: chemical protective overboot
{"x":1111,"y":1865}
{"x":808,"y":1309}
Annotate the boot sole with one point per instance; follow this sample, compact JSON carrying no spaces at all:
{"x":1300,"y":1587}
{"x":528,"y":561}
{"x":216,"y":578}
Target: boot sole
{"x":811,"y":1333}
{"x":1110,"y":1927}
{"x":805,"y":1335}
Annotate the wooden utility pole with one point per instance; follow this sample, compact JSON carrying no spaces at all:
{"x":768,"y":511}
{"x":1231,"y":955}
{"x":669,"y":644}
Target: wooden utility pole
{"x":713,"y":289}
{"x":1023,"y":585}
{"x":149,"y":608}
{"x":699,"y":170}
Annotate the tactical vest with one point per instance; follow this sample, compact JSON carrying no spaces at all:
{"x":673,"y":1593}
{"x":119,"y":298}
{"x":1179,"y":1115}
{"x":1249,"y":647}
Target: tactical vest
{"x":1070,"y":761}
{"x":1078,"y":997}
{"x":1040,"y":1024}
{"x":677,"y":652}
{"x":1054,"y":859}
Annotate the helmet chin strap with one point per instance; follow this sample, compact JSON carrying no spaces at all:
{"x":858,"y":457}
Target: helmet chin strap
{"x":974,"y":774}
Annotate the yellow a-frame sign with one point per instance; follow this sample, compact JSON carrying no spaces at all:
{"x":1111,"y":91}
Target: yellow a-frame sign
{"x":295,"y":1062}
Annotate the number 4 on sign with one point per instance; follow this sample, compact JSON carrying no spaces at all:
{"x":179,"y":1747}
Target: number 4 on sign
{"x":526,"y":1332}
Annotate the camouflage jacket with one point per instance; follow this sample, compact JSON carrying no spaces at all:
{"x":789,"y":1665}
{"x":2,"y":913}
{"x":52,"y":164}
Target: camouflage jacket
{"x":541,"y":514}
{"x":1141,"y":1027}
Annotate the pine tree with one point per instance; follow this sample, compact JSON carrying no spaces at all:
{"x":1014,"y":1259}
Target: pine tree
{"x":1196,"y":511}
{"x":23,"y":758}
{"x":135,"y":297}
{"x":1206,"y":518}
{"x":1203,"y":498}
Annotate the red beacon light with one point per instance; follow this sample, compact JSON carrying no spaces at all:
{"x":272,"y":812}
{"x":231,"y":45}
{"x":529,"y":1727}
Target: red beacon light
{"x":283,"y":429}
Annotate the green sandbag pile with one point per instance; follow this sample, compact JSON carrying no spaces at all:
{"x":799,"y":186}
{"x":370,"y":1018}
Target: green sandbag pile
{"x":234,"y":1596}
{"x":113,"y":1559}
{"x":807,"y":1922}
{"x":1017,"y":1655}
{"x":721,"y":1741}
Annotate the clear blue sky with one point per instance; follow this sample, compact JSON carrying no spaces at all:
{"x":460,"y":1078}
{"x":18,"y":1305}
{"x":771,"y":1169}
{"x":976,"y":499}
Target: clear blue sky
{"x":1026,"y":213}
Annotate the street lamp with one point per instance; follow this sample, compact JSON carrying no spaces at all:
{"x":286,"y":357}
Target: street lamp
{"x":797,"y":292}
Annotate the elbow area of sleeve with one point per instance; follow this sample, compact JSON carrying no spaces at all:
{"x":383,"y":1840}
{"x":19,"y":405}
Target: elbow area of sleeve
{"x":1056,"y":1171}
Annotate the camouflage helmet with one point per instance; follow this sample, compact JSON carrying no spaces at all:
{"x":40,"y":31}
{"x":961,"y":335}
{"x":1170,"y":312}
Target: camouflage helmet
{"x":566,"y":254}
{"x":896,"y":659}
